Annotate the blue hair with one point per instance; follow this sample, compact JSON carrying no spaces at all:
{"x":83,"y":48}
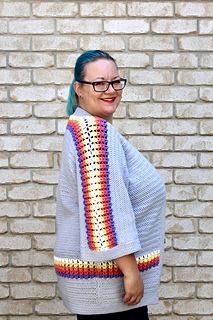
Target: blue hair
{"x":79,"y":73}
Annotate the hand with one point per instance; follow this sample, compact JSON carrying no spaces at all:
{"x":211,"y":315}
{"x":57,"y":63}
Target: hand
{"x":134,"y":288}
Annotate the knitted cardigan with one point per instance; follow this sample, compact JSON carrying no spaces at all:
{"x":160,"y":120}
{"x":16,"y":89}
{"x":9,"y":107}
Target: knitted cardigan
{"x":110,"y":203}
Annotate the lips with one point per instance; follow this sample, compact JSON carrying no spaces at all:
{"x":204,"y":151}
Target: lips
{"x":109,"y":99}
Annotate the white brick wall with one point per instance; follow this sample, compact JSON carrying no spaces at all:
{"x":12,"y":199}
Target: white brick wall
{"x":165,"y":50}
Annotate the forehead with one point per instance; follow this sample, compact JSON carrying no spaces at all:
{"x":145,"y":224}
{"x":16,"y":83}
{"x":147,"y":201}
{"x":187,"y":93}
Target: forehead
{"x":101,"y":68}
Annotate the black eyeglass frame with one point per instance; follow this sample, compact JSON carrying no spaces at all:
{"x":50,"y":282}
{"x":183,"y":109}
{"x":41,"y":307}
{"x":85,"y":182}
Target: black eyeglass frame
{"x":109,"y":83}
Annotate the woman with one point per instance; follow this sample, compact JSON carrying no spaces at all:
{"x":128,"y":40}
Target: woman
{"x":110,"y":205}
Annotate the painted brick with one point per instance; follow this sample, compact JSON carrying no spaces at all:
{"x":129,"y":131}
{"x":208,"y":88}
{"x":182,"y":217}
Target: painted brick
{"x":32,"y":127}
{"x":15,"y":9}
{"x":206,"y":94}
{"x":166,"y":175}
{"x":66,"y":60}
{"x":206,"y":60}
{"x":11,"y":77}
{"x":176,"y":290}
{"x":54,"y":43}
{"x":79,"y":26}
{"x":163,"y":307}
{"x":174,"y":26}
{"x":30,"y":192}
{"x":188,"y":110}
{"x":13,"y":242}
{"x":44,"y":274}
{"x":37,"y":259}
{"x":166,"y":274}
{"x":194,"y":143}
{"x":151,"y":43}
{"x":32,"y":291}
{"x":15,"y":209}
{"x":206,"y":127}
{"x":31,"y":60}
{"x":195,"y":209}
{"x":150,"y":110}
{"x":3,"y":127}
{"x":175,"y":60}
{"x":13,"y":43}
{"x":205,"y":193}
{"x":25,"y":226}
{"x":63,"y":93}
{"x":48,"y":143}
{"x":206,"y":27}
{"x":132,"y":60}
{"x":190,"y":9}
{"x":189,"y":43}
{"x":44,"y":209}
{"x":193,"y":307}
{"x":193,"y":242}
{"x":31,"y":160}
{"x":21,"y":307}
{"x":103,"y":9}
{"x":150,"y":9}
{"x":206,"y":160}
{"x":2,"y":60}
{"x":29,"y":26}
{"x":43,"y":242}
{"x":174,"y":127}
{"x":179,"y":259}
{"x":193,"y":176}
{"x":3,"y":226}
{"x":172,"y":160}
{"x":61,"y":126}
{"x":3,"y":26}
{"x":46,"y":176}
{"x":182,"y":193}
{"x":2,"y":193}
{"x":3,"y":260}
{"x":126,"y":26}
{"x":14,"y":176}
{"x":36,"y":93}
{"x":205,"y":225}
{"x":15,"y":144}
{"x":3,"y":94}
{"x":106,"y":43}
{"x":179,"y":94}
{"x":52,"y":76}
{"x":151,"y":77}
{"x":205,"y":258}
{"x":151,"y":143}
{"x":52,"y":9}
{"x":132,"y":126}
{"x":136,"y":94}
{"x":204,"y":291}
{"x":3,"y":161}
{"x":195,"y":77}
{"x":4,"y":291}
{"x":50,"y":110}
{"x":177,"y":225}
{"x":14,"y":110}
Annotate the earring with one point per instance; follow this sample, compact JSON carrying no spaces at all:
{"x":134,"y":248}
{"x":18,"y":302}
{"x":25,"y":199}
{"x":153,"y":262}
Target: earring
{"x":80,"y":97}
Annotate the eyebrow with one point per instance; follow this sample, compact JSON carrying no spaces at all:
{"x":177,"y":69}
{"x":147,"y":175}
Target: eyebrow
{"x":102,"y":78}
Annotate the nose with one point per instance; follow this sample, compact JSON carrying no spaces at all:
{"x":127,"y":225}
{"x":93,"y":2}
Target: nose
{"x":110,"y":89}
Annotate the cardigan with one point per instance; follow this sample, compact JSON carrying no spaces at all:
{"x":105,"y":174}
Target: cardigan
{"x":110,"y":203}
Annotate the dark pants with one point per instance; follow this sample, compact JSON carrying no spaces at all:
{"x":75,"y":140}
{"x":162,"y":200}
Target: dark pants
{"x":133,"y":314}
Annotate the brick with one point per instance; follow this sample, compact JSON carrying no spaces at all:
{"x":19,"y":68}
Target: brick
{"x":16,"y":209}
{"x":15,"y":110}
{"x":72,"y":317}
{"x":167,"y":242}
{"x":151,"y":143}
{"x":194,"y":143}
{"x":175,"y":60}
{"x":178,"y":225}
{"x":206,"y":27}
{"x":79,"y":26}
{"x":36,"y":93}
{"x":30,"y":192}
{"x":193,"y":307}
{"x":179,"y":259}
{"x":3,"y":94}
{"x":174,"y":26}
{"x":25,"y":226}
{"x":126,"y":26}
{"x":150,"y":110}
{"x":151,"y":77}
{"x":2,"y":193}
{"x":3,"y":127}
{"x":63,"y":93}
{"x":163,"y":307}
{"x":48,"y":143}
{"x":3,"y":259}
{"x":32,"y":291}
{"x":166,"y":275}
{"x":195,"y":77}
{"x":15,"y":275}
{"x":35,"y":259}
{"x":52,"y":76}
{"x":132,"y":126}
{"x":44,"y":209}
{"x":31,"y":160}
{"x":189,"y":43}
{"x":206,"y":60}
{"x":182,"y":193}
{"x":189,"y":9}
{"x":14,"y":176}
{"x":32,"y":126}
{"x":206,"y":127}
{"x":106,"y":43}
{"x":205,"y":225}
{"x":174,"y":127}
{"x":21,"y":307}
{"x":44,"y":275}
{"x":204,"y":291}
{"x":176,"y":290}
{"x":66,"y":60}
{"x":150,"y":9}
{"x":50,"y":110}
{"x":205,"y":193}
{"x":103,"y":9}
{"x":169,"y":209}
{"x":3,"y":161}
{"x":31,"y":26}
{"x":31,"y":60}
{"x":151,"y":43}
{"x":44,"y":242}
{"x":52,"y":9}
{"x":206,"y":94}
{"x":193,"y":176}
{"x":193,"y":242}
{"x":120,"y":111}
{"x":2,"y":60}
{"x":51,"y":307}
{"x":179,"y":94}
{"x":15,"y":9}
{"x":11,"y":242}
{"x":132,"y":60}
{"x":166,"y":175}
{"x":195,"y":209}
{"x":11,"y":77}
{"x":206,"y":160}
{"x":174,"y":160}
{"x":46,"y":176}
{"x":205,"y":258}
{"x":61,"y":126}
{"x":188,"y":110}
{"x":14,"y":43}
{"x":3,"y":226}
{"x":4,"y":291}
{"x":30,"y":318}
{"x":136,"y":94}
{"x":54,"y":43}
{"x":3,"y":26}
{"x":174,"y":318}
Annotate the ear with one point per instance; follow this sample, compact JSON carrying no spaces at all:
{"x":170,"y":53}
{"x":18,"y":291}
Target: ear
{"x":78,"y":88}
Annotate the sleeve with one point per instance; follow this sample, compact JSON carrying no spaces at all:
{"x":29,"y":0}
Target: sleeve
{"x":107,"y":220}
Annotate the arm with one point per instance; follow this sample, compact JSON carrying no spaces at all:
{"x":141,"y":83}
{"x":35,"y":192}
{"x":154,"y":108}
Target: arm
{"x":133,"y":282}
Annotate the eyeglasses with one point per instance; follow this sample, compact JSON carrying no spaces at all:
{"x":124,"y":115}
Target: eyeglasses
{"x":101,"y":86}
